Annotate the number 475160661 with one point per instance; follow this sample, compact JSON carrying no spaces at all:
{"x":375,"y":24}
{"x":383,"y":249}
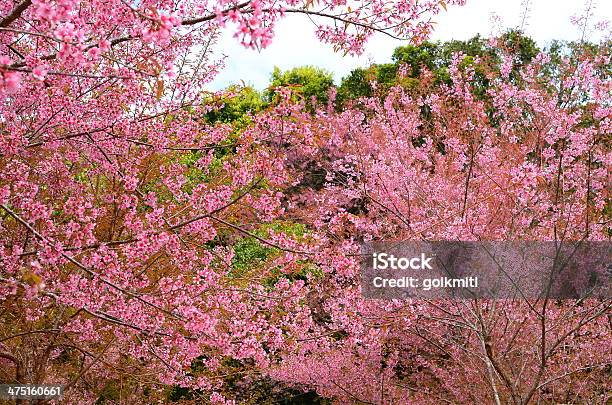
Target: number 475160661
{"x":30,"y":391}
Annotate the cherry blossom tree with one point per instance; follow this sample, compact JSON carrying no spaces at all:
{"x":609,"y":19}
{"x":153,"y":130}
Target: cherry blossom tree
{"x":527,"y":161}
{"x":120,"y":201}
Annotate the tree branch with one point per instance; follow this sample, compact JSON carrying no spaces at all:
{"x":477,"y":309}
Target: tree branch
{"x":15,"y":13}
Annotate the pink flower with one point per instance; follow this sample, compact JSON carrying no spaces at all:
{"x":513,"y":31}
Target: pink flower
{"x":12,"y":81}
{"x":233,"y":15}
{"x":39,"y":72}
{"x":104,"y":45}
{"x":94,"y":53}
{"x":5,"y":193}
{"x":44,"y":11}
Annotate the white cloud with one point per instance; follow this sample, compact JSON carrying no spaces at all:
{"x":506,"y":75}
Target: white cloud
{"x":295,"y":43}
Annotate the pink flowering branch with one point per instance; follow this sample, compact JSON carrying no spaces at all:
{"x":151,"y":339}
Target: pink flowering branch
{"x":89,"y":271}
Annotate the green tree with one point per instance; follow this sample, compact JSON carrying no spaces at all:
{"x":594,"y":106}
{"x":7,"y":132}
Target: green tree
{"x":241,"y":101}
{"x":355,"y":85}
{"x":437,"y":57}
{"x":427,"y":54}
{"x":520,"y":45}
{"x":307,"y":82}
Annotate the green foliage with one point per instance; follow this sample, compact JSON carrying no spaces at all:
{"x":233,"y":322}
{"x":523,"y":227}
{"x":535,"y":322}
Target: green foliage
{"x":386,"y":75}
{"x":196,"y":175}
{"x":436,"y":57}
{"x":250,"y":253}
{"x":416,"y":56}
{"x":521,"y":46}
{"x":307,"y":82}
{"x":356,"y":85}
{"x":474,"y":47}
{"x":235,"y":109}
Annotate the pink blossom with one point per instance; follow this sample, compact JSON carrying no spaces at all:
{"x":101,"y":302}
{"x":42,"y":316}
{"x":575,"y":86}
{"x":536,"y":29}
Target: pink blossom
{"x":94,"y":53}
{"x":39,"y":72}
{"x":11,"y":81}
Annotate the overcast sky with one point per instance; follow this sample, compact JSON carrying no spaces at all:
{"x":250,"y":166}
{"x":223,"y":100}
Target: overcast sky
{"x":295,"y":43}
